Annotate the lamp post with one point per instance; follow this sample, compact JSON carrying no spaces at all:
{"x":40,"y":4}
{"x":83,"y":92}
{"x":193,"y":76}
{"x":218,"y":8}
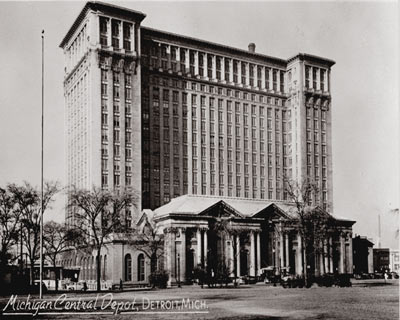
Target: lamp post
{"x":179,"y":271}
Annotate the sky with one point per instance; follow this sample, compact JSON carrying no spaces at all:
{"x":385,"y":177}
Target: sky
{"x":362,"y":37}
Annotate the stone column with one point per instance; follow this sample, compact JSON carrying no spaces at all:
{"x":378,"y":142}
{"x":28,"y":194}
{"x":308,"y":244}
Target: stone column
{"x":183,"y":255}
{"x":247,"y":74}
{"x":321,"y":258}
{"x":198,"y":246}
{"x":170,"y":248}
{"x":239,"y":72}
{"x":178,"y":59}
{"x":258,"y":254}
{"x":286,"y":249}
{"x":350,"y":264}
{"x":222,"y":69}
{"x":109,"y":32}
{"x":232,"y":256}
{"x":205,"y":248}
{"x":299,"y":258}
{"x":196,"y":63}
{"x":230,"y":70}
{"x":252,"y":260}
{"x":330,"y":255}
{"x":281,"y":252}
{"x":238,"y":255}
{"x":326,"y":253}
{"x":187,"y":61}
{"x":263,"y":70}
{"x":121,"y":36}
{"x":214,"y":67}
{"x":169,"y":53}
{"x":342,"y":255}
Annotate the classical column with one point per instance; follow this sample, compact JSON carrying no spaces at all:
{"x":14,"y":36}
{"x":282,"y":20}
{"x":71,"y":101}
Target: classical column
{"x":109,"y":31}
{"x":239,"y":72}
{"x":263,"y":70}
{"x":299,"y":253}
{"x":238,"y":255}
{"x":252,"y":260}
{"x":187,"y":60}
{"x":326,"y":253}
{"x":232,"y":255}
{"x":230,"y":70}
{"x":183,"y":254}
{"x":178,"y":59}
{"x":342,"y":255}
{"x":198,"y":246}
{"x":321,"y":258}
{"x":205,"y":248}
{"x":222,"y":68}
{"x":214,"y":67}
{"x":286,"y":249}
{"x":258,"y":254}
{"x":281,"y":252}
{"x":350,"y":264}
{"x":169,"y":53}
{"x":330,"y":255}
{"x":247,"y":74}
{"x":196,"y":63}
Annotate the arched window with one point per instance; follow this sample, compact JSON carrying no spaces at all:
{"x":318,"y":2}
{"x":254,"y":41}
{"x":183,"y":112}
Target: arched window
{"x":128,"y":267}
{"x":140,"y":267}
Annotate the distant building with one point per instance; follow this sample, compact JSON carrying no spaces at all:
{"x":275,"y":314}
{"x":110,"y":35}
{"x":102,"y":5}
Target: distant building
{"x":394,"y":260}
{"x":363,"y":256}
{"x":381,"y":259}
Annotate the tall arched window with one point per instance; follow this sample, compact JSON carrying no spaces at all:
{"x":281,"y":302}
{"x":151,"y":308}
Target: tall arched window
{"x":128,"y":267}
{"x":140,"y":267}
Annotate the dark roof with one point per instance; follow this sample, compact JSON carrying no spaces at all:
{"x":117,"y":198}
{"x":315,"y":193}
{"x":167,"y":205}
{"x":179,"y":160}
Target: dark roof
{"x":103,"y":7}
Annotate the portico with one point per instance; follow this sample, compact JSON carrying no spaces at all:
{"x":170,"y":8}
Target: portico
{"x":242,"y":236}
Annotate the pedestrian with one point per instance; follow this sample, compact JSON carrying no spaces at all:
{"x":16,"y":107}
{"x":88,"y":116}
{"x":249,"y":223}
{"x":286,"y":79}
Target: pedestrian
{"x":120,"y":285}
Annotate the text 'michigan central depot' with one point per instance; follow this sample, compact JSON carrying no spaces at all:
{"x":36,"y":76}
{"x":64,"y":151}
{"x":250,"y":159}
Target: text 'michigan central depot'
{"x":199,"y":130}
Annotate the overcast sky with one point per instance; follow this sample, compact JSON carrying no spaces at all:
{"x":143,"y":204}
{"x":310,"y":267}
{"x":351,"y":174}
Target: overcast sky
{"x":362,"y":37}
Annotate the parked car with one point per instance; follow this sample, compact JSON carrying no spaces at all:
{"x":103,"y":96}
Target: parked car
{"x":77,"y":286}
{"x":393,"y":275}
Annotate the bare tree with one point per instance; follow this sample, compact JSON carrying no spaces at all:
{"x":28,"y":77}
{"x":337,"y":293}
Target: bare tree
{"x":98,"y":215}
{"x":9,"y":223}
{"x":313,"y":224}
{"x":56,"y":239}
{"x":28,"y":204}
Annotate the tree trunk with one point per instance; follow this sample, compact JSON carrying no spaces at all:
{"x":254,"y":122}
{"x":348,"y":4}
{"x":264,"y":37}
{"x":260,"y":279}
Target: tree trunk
{"x":98,"y":275}
{"x":305,"y":272}
{"x":56,"y":276}
{"x":31,"y":273}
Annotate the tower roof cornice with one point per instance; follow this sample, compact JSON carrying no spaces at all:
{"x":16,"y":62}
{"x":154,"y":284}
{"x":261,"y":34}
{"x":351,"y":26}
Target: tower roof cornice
{"x":105,"y":8}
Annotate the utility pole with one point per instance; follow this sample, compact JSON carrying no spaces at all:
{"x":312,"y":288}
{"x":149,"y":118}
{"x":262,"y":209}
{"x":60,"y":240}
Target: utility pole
{"x":41,"y":202}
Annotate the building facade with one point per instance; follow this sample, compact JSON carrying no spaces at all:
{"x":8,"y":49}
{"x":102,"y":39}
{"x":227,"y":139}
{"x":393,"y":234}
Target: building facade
{"x":394,"y":260}
{"x":381,"y":259}
{"x":363,"y":259}
{"x":166,"y":115}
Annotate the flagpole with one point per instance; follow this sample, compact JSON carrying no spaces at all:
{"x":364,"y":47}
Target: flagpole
{"x":41,"y":202}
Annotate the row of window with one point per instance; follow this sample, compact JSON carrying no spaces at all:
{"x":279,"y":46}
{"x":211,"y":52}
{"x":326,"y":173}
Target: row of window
{"x":120,"y":31}
{"x":214,"y":67}
{"x":211,"y":89}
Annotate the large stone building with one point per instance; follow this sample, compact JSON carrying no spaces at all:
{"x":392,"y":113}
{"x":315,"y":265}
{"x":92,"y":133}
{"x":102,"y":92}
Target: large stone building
{"x":169,"y":116}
